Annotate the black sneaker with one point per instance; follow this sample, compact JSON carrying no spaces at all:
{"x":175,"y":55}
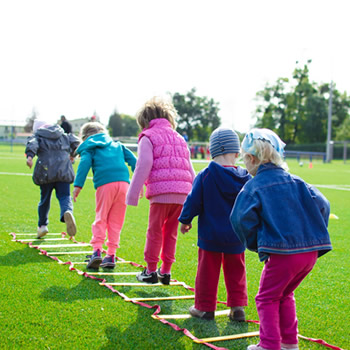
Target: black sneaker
{"x":95,"y":260}
{"x":108,"y":262}
{"x":205,"y":315}
{"x":163,"y":278}
{"x":147,"y":277}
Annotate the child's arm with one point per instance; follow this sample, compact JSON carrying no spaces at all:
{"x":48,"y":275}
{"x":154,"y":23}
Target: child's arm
{"x":29,"y":162}
{"x":74,"y":142}
{"x":321,"y":201}
{"x":129,"y":158}
{"x":245,"y":220}
{"x":143,"y":168}
{"x":193,"y":205}
{"x":76,"y":192}
{"x":185,"y":228}
{"x":83,"y":170}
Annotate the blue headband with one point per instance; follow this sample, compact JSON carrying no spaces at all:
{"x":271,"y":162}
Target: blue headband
{"x":265,"y":135}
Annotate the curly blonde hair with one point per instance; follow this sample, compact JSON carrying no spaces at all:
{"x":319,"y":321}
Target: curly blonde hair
{"x":91,"y":128}
{"x":156,"y":108}
{"x":265,"y":153}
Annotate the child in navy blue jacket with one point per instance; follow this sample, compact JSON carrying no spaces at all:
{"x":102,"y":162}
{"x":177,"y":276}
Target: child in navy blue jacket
{"x":284,"y":220}
{"x":212,"y":197}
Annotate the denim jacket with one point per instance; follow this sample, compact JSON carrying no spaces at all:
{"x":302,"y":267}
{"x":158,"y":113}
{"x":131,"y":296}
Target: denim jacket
{"x":278,"y":213}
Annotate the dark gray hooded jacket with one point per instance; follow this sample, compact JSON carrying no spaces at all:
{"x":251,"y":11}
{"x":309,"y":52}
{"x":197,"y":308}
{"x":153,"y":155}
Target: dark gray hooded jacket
{"x":53,"y":148}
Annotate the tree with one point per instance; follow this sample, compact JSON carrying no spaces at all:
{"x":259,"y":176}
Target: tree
{"x":299,"y":113}
{"x":115,"y":124}
{"x":198,"y":116}
{"x":129,"y":125}
{"x":122,"y":125}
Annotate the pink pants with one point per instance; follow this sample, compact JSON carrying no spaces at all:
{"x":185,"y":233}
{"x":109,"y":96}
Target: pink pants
{"x":275,"y":300}
{"x":162,"y":235}
{"x":110,"y":214}
{"x":207,"y":279}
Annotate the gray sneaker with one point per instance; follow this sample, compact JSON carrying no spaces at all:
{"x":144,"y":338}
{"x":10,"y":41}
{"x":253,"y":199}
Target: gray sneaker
{"x":147,"y":277}
{"x":237,"y":314}
{"x":205,"y":315}
{"x":289,"y":347}
{"x":70,"y":223}
{"x":95,"y":260}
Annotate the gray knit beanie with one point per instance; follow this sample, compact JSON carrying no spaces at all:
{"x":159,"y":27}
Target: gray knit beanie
{"x":222,"y":141}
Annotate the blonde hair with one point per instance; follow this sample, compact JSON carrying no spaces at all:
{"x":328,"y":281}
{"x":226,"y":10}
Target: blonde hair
{"x":264,"y":152}
{"x":91,"y":128}
{"x":156,"y":108}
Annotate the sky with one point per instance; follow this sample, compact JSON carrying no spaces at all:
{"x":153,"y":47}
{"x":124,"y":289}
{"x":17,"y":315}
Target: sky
{"x":80,"y":57}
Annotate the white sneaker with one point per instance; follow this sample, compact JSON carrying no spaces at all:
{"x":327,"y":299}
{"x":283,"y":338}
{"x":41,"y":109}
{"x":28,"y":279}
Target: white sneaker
{"x":255,"y":347}
{"x":42,"y":231}
{"x":70,"y":223}
{"x":289,"y":347}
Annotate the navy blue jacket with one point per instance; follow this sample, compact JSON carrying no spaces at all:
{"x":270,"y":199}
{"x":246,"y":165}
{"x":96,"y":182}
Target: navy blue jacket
{"x":279,"y":213}
{"x":53,"y":148}
{"x":212,"y":197}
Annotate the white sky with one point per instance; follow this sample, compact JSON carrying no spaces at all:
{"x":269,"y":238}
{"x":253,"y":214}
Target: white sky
{"x":74,"y":57}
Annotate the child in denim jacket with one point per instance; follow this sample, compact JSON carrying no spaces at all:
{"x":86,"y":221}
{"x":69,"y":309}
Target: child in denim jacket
{"x":284,"y":220}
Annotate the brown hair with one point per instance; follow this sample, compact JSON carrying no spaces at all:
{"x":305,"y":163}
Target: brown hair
{"x":91,"y":128}
{"x":156,"y":108}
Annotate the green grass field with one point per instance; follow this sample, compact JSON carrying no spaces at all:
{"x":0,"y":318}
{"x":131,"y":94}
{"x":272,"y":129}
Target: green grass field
{"x":46,"y":306}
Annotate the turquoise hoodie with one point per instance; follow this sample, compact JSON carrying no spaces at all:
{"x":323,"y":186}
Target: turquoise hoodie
{"x":107,"y":159}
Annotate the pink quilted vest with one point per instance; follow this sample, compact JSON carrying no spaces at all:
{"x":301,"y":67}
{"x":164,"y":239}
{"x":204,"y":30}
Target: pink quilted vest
{"x":171,"y":162}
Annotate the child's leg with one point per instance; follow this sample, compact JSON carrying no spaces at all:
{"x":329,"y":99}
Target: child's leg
{"x":44,"y":204}
{"x":116,"y":215}
{"x":280,"y":276}
{"x":207,"y":279}
{"x":169,"y":232}
{"x":235,"y":279}
{"x":64,"y":198}
{"x":288,"y":319}
{"x":157,"y":215}
{"x":99,"y":226}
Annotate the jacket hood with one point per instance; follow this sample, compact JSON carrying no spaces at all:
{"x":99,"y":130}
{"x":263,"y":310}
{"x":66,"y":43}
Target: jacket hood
{"x":95,"y":141}
{"x":51,"y":132}
{"x":236,"y":177}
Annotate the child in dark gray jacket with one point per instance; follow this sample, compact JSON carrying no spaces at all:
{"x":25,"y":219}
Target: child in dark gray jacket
{"x":53,"y":170}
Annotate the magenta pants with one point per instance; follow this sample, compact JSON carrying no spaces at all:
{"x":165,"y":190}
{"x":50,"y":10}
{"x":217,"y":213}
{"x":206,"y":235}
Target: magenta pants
{"x":110,"y":215}
{"x":162,"y":235}
{"x":207,"y":279}
{"x":275,"y":300}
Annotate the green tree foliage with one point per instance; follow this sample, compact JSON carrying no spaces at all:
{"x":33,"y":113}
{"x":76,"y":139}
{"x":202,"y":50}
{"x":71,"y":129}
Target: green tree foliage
{"x":198,"y":116}
{"x":298,"y":110}
{"x":122,"y":125}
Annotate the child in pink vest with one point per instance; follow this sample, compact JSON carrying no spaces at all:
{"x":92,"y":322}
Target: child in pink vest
{"x":165,"y":168}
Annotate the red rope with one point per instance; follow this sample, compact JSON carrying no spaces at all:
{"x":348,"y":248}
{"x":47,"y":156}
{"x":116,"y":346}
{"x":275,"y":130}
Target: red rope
{"x":157,"y":307}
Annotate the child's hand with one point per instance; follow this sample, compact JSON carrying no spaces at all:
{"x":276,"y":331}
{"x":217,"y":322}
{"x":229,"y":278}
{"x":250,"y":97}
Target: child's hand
{"x":76,"y":192}
{"x":185,"y":228}
{"x":30,"y":162}
{"x":141,"y":193}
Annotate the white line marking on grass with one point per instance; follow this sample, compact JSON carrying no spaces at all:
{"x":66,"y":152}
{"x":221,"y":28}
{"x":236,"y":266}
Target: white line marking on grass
{"x":26,"y":174}
{"x":19,"y":174}
{"x":335,"y":187}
